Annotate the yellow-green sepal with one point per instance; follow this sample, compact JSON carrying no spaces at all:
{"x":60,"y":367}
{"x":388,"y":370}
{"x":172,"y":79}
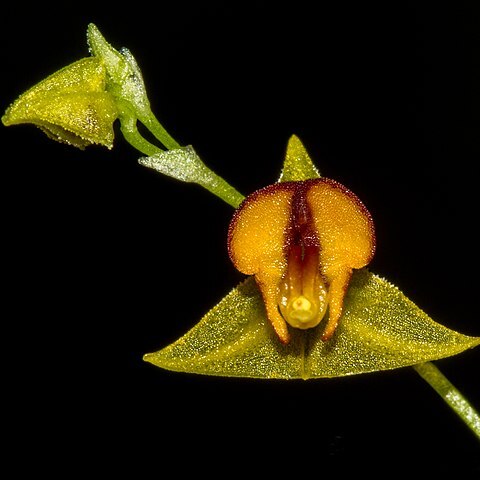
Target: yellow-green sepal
{"x":381,"y":329}
{"x":71,"y":105}
{"x":297,"y":165}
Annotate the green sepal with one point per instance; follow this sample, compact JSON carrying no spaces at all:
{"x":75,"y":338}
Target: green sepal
{"x":381,"y":329}
{"x":297,"y":165}
{"x":71,"y":105}
{"x":125,"y":81}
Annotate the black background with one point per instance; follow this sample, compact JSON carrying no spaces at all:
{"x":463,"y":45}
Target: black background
{"x":105,"y":260}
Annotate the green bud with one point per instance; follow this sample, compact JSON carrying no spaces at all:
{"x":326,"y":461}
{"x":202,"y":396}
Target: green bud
{"x":125,"y":83}
{"x":71,"y":106}
{"x":125,"y":80}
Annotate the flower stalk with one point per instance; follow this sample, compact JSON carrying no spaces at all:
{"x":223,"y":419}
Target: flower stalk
{"x":450,"y":394}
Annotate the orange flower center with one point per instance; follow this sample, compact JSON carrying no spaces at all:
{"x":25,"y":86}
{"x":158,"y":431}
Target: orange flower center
{"x":303,"y":294}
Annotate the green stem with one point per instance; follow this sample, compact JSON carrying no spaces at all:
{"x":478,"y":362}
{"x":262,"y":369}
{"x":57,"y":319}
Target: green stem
{"x":188,"y":168}
{"x":222,"y":189}
{"x":128,"y":126}
{"x":455,"y":400}
{"x":184,"y":164}
{"x":175,"y":164}
{"x":160,"y":133}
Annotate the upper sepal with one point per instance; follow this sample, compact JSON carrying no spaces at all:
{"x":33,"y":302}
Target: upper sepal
{"x":297,"y":164}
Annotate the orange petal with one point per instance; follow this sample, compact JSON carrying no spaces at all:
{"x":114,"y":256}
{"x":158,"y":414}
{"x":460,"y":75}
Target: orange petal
{"x":258,"y":231}
{"x":256,"y":240}
{"x":336,"y":291}
{"x":347,"y":240}
{"x":343,"y":225}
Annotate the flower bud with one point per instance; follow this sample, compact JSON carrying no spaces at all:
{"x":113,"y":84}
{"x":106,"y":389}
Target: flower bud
{"x":71,"y":106}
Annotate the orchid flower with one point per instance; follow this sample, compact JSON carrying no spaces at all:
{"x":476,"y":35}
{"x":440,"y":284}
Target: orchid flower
{"x":308,"y":306}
